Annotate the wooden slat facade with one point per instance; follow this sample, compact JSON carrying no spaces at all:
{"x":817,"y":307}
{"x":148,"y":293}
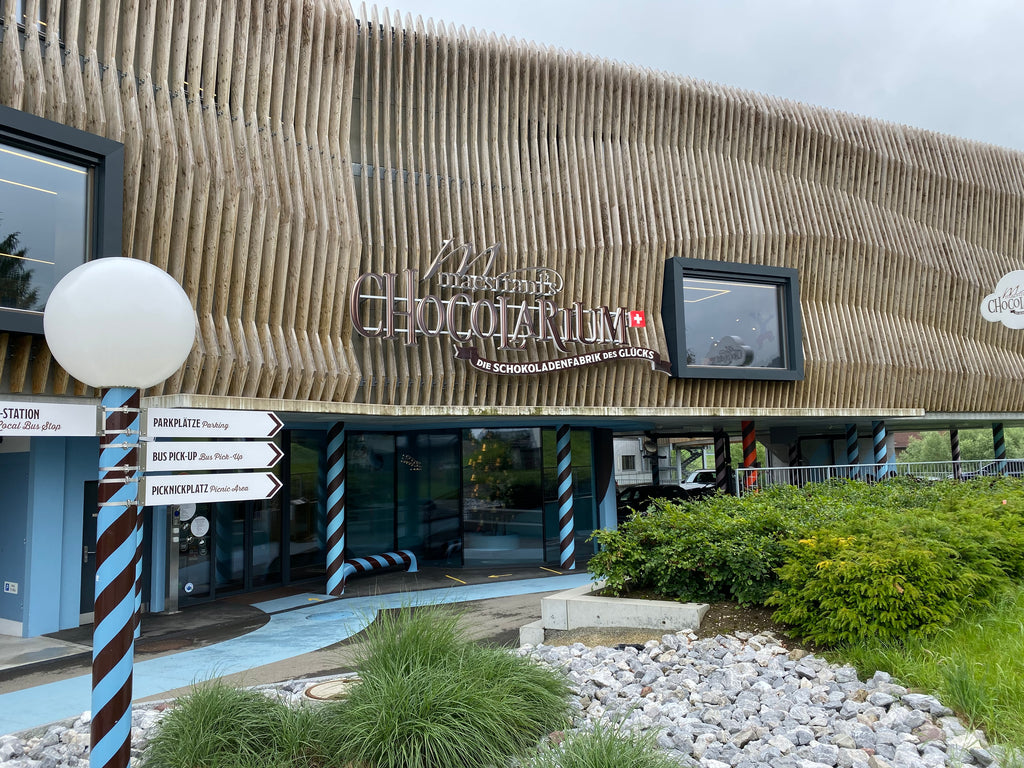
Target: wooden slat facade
{"x":276,"y":150}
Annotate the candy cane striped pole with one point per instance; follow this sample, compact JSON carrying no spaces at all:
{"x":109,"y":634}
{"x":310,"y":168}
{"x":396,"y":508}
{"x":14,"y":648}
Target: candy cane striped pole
{"x":999,"y":446}
{"x":852,"y":444}
{"x":116,"y":548}
{"x":336,"y":476}
{"x":954,"y":450}
{"x":749,"y":453}
{"x":566,"y":523}
{"x":878,"y":445}
{"x":137,"y":630}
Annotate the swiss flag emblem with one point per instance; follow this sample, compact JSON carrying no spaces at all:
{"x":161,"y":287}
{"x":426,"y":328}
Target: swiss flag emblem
{"x":637,"y":319}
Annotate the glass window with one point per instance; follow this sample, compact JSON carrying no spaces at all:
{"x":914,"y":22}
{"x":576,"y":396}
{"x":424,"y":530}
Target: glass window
{"x":60,"y":205}
{"x":726,"y":320}
{"x":429,"y":483}
{"x":44,"y":224}
{"x":732,"y":323}
{"x":307,"y":519}
{"x":501,"y":490}
{"x":628,"y":462}
{"x":370,"y":494}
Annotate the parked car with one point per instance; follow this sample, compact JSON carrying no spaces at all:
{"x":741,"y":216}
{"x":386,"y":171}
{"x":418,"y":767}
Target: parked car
{"x":701,"y":478}
{"x":637,"y":498}
{"x":1014,"y":468}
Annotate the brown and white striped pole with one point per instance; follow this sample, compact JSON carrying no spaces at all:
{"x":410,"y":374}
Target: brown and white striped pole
{"x":114,"y":605}
{"x":566,"y":522}
{"x":336,"y":476}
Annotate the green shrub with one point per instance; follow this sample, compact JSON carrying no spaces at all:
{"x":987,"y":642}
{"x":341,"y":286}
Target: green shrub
{"x":429,"y":698}
{"x":888,"y":558}
{"x":722,"y":548}
{"x":218,"y":725}
{"x":603,"y":747}
{"x":883,"y":573}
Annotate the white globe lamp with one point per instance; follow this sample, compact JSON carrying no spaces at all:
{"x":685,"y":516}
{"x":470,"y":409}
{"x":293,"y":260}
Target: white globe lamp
{"x":119,"y":322}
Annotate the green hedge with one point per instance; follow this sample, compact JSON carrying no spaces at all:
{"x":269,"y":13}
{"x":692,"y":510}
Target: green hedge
{"x":841,"y":561}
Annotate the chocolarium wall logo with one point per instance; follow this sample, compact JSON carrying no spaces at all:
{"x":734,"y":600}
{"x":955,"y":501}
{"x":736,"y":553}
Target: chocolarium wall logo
{"x":1006,"y":304}
{"x":519,"y":307}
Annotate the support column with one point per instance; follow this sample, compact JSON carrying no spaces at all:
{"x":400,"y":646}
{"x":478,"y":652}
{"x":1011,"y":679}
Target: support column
{"x":721,"y":461}
{"x":878,"y":446}
{"x":116,"y":550}
{"x":852,"y":444}
{"x":566,"y":523}
{"x":749,"y":454}
{"x":336,"y":509}
{"x":137,"y":629}
{"x":999,"y":447}
{"x":954,"y":450}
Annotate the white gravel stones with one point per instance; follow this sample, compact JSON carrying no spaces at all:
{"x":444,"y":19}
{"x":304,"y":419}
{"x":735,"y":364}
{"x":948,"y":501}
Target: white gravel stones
{"x":748,"y":702}
{"x":727,"y":702}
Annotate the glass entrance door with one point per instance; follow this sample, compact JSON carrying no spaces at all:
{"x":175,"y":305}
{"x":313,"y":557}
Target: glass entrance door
{"x":225,"y":548}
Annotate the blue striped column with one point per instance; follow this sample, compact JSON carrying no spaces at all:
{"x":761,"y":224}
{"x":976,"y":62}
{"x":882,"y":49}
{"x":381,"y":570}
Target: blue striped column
{"x":878,"y":446}
{"x":999,"y":446}
{"x":566,"y":523}
{"x":336,"y":509}
{"x":114,"y":622}
{"x":852,"y":444}
{"x":954,"y":450}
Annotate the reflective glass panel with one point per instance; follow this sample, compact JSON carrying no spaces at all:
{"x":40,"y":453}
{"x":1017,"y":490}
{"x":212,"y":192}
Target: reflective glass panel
{"x":44,"y":225}
{"x":502,"y":497}
{"x":733,"y":324}
{"x":370,"y":494}
{"x":307,"y":519}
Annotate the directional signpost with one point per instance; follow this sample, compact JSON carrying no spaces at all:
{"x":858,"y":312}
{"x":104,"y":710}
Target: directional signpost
{"x":197,"y":456}
{"x":204,"y":455}
{"x":195,"y":489}
{"x":48,"y":419}
{"x":191,"y":422}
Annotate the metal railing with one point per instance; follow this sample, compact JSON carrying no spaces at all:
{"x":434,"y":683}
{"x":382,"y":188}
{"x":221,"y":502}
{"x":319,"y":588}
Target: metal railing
{"x":748,"y":480}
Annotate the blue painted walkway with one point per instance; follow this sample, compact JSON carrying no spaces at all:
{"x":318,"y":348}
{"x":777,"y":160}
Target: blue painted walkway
{"x":318,"y":623}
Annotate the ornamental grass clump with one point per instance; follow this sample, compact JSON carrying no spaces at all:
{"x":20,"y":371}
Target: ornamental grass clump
{"x":602,"y":746}
{"x":427,"y":698}
{"x":219,"y":725}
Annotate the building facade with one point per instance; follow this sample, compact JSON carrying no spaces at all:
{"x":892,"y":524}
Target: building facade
{"x":449,"y":247}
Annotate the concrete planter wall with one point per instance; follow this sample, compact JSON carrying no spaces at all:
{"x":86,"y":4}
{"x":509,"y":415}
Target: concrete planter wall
{"x":576,"y":608}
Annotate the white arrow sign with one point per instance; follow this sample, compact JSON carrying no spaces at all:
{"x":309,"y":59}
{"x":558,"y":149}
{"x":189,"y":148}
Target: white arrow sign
{"x":52,"y":419}
{"x":191,"y":422}
{"x":193,"y":456}
{"x":196,"y":489}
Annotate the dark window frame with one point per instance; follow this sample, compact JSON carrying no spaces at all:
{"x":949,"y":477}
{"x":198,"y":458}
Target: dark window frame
{"x":104,"y":157}
{"x":673,"y":315}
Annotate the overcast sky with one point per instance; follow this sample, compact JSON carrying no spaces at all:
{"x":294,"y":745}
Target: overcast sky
{"x":951,"y":66}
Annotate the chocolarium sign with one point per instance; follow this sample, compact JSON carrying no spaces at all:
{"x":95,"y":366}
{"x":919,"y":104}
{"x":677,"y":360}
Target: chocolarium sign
{"x":389,"y":305}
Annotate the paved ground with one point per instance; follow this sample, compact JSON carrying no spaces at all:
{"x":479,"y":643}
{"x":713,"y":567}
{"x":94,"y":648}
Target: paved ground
{"x":268,"y":637}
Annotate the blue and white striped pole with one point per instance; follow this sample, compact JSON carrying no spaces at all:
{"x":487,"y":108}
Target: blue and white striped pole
{"x":116,"y":551}
{"x":852,"y":445}
{"x":566,"y":522}
{"x":336,"y":476}
{"x":999,"y":447}
{"x":878,"y":444}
